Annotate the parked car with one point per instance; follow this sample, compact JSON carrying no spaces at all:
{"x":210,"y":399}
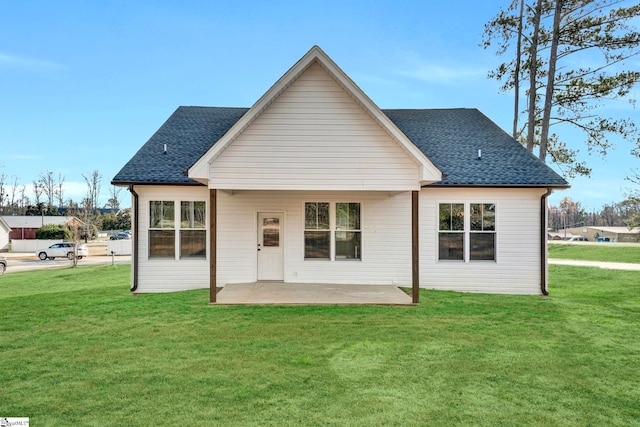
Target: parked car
{"x":578,"y":239}
{"x":64,"y":249}
{"x":3,"y":265}
{"x":121,"y":236}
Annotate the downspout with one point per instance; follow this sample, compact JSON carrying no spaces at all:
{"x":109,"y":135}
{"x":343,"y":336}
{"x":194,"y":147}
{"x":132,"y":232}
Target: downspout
{"x":543,"y":242}
{"x":134,"y":259}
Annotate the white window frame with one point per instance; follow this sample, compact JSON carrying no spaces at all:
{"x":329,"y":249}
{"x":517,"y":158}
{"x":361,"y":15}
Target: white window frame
{"x":177,"y":222}
{"x":333,"y":229}
{"x":467,"y":231}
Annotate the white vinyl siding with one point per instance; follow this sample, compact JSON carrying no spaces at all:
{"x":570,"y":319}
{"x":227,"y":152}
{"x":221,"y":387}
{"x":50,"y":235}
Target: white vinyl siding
{"x":516,"y":269}
{"x":169,"y":274}
{"x":314,"y":136}
{"x":386,"y":236}
{"x":386,"y":239}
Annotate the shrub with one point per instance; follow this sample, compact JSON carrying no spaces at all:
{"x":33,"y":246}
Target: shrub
{"x":52,"y":232}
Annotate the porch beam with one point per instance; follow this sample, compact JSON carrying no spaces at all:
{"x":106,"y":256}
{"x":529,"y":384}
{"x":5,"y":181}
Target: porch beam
{"x":213,"y":225}
{"x":415,"y":247}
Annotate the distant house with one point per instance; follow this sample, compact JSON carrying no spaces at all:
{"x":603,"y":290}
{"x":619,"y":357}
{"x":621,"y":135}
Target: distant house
{"x":4,"y":235}
{"x":316,"y":184}
{"x":614,"y":234}
{"x":24,"y":227}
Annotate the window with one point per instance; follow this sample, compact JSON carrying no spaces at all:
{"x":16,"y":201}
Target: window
{"x":451,"y":238}
{"x":469,"y":231}
{"x":193,"y":232}
{"x":161,"y":229}
{"x":189,"y":229}
{"x":316,"y":231}
{"x":332,"y":233}
{"x":347,"y":231}
{"x":482,"y":237}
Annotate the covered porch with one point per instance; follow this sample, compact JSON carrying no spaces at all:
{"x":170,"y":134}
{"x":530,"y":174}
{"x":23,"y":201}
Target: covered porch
{"x":280,"y":293}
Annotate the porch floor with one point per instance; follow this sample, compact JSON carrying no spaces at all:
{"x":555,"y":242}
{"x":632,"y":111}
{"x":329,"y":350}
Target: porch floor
{"x":311,"y":294}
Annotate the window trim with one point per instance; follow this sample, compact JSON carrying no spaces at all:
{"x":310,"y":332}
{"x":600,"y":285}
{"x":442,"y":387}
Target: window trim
{"x":333,"y":202}
{"x":177,"y":229}
{"x":467,"y":231}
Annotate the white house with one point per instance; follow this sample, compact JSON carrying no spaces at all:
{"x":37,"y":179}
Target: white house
{"x":316,"y":184}
{"x":5,"y":230}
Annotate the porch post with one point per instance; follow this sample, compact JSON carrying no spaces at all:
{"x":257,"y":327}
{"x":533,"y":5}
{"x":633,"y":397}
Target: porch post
{"x":415,"y":247}
{"x":213,"y":207}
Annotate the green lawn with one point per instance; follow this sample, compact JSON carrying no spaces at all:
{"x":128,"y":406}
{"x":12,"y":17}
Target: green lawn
{"x":77,"y":349}
{"x":603,"y":252}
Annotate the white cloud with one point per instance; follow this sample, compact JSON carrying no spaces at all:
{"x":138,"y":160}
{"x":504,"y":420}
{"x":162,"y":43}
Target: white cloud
{"x":442,"y":74}
{"x":13,"y":61}
{"x":437,"y":69}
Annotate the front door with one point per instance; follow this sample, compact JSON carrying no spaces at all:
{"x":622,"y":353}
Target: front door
{"x":270,"y":246}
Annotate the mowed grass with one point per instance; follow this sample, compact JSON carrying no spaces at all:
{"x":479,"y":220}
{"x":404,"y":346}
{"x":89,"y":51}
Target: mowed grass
{"x":78,"y":349}
{"x":602,"y":252}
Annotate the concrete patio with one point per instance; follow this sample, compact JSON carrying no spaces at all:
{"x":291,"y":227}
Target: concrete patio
{"x":280,"y":293}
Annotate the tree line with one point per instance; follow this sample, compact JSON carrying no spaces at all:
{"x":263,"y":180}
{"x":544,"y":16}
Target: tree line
{"x":569,"y":214}
{"x":46,"y":196}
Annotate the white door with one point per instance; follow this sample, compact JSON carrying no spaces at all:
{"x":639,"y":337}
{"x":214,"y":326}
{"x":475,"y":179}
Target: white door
{"x":270,"y":246}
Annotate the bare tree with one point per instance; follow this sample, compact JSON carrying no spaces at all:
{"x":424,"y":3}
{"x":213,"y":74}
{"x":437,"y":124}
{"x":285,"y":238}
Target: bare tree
{"x":114,"y":198}
{"x":59,"y":192}
{"x":94,"y":182}
{"x":48,"y":186}
{"x":37,"y":192}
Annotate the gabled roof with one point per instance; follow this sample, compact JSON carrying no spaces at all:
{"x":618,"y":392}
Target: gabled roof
{"x":188,"y":134}
{"x":200,"y":170}
{"x":450,"y":138}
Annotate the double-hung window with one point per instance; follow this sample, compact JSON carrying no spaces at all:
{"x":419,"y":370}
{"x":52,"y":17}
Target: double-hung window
{"x":451,"y":234}
{"x":186,"y":226}
{"x":482,"y":234}
{"x":467,"y":232}
{"x":317,"y":233}
{"x":332,"y":231}
{"x":193,"y":232}
{"x":162,"y":231}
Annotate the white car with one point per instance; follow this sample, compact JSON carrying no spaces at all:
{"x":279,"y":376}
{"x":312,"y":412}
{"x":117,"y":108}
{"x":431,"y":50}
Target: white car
{"x":65,"y":249}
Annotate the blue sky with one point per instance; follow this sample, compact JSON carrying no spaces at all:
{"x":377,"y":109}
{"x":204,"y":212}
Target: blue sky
{"x":83,"y":84}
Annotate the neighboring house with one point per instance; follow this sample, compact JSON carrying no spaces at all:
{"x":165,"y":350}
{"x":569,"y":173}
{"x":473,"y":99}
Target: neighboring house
{"x":24,"y":227}
{"x":614,"y":234}
{"x":316,"y":184}
{"x":4,"y":235}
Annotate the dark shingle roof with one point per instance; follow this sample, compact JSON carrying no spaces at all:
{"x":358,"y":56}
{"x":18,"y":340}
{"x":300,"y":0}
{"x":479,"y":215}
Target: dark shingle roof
{"x":188,"y":133}
{"x":450,"y":138}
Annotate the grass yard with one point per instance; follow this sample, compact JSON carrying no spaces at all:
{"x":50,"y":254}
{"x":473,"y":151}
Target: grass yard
{"x":602,"y":252}
{"x":78,"y":349}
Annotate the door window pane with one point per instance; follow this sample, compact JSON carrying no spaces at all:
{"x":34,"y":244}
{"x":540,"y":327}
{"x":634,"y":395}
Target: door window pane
{"x":271,"y":232}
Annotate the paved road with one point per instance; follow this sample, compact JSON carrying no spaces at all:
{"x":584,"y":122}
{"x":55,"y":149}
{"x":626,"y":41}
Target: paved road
{"x":27,"y":262}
